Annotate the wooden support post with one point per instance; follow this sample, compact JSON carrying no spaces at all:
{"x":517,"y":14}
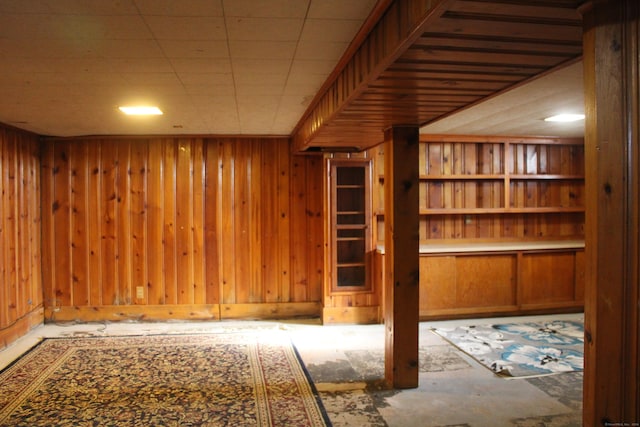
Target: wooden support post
{"x":612,"y":153}
{"x":402,"y":266}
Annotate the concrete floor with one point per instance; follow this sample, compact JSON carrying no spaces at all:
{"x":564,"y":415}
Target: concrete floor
{"x":346,"y":363}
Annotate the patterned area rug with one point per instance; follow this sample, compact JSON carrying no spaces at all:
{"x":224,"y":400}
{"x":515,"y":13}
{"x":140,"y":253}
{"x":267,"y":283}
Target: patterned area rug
{"x":522,"y":349}
{"x":165,"y":380}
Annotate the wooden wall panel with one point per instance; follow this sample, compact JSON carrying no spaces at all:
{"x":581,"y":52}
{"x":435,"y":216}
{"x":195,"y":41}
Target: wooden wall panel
{"x":178,"y":223}
{"x":21,"y":298}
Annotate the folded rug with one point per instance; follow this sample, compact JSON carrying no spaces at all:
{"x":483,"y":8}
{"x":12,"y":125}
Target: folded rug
{"x":522,"y":349}
{"x":165,"y":380}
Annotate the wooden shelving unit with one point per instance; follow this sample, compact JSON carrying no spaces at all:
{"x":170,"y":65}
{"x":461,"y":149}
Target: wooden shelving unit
{"x":465,"y":181}
{"x":508,"y":217}
{"x":350,"y":212}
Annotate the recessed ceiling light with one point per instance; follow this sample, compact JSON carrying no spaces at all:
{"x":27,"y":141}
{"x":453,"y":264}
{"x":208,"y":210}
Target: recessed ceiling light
{"x":140,"y":110}
{"x":565,"y":118}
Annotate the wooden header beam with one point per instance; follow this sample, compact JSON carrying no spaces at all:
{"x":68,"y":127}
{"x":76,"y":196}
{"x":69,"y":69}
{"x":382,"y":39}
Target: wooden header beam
{"x":400,"y":26}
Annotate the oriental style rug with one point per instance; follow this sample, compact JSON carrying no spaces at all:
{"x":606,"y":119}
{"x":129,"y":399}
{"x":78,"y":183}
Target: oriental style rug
{"x":521,"y":350}
{"x":164,"y":380}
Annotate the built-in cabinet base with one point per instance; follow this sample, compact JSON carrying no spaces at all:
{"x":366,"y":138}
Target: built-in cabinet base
{"x":494,"y":279}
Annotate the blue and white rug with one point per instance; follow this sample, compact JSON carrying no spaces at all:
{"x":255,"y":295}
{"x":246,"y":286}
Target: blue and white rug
{"x":522,"y":349}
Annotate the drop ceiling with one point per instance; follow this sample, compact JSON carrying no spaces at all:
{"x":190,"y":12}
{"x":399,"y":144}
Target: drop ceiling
{"x":232,"y":67}
{"x":212,"y":66}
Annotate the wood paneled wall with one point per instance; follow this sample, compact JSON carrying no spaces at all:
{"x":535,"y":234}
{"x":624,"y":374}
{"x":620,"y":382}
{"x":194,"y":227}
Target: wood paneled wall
{"x":180,"y":228}
{"x":20,"y":274}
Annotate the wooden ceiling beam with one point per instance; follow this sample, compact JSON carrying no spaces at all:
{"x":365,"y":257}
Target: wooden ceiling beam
{"x":424,"y":60}
{"x":401,"y":24}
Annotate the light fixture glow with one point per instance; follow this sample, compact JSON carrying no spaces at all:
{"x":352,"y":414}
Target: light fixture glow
{"x":140,"y":110}
{"x":565,"y":118}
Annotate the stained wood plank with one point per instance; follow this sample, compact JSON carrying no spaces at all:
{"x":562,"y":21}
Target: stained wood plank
{"x":155,"y":286}
{"x":122,"y":208}
{"x":270,"y":220}
{"x":138,"y":171}
{"x":283,"y":157}
{"x":228,"y":225}
{"x":61,"y":223}
{"x":611,"y":62}
{"x":109,"y":204}
{"x":94,"y":223}
{"x":212,"y":220}
{"x":78,"y":161}
{"x":169,"y":208}
{"x":184,"y":223}
{"x":402,"y":281}
{"x":198,"y":227}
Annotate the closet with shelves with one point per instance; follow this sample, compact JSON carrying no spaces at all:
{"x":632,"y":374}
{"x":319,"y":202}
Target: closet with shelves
{"x":350,"y":296}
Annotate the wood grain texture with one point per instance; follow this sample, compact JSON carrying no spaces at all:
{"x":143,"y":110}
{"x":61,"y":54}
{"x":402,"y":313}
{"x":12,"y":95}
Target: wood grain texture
{"x":185,"y":221}
{"x":423,"y":60}
{"x":401,"y":282}
{"x":492,"y":187}
{"x":612,"y":141}
{"x":21,"y":297}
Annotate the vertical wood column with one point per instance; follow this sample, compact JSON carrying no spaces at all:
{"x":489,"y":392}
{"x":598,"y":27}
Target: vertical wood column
{"x":401,"y":293}
{"x":611,"y":62}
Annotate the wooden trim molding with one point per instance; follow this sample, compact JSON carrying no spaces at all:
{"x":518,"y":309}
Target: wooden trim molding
{"x":114,"y":313}
{"x":21,"y":326}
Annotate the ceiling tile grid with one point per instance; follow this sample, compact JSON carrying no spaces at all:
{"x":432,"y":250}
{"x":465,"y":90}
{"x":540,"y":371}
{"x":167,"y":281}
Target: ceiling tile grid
{"x":213,"y":66}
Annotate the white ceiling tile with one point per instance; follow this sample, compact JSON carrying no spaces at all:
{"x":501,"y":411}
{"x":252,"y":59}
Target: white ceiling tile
{"x":90,"y":7}
{"x":187,"y":28}
{"x":180,"y":8}
{"x":72,"y":27}
{"x":306,"y":67}
{"x":212,"y":89}
{"x":257,"y":49}
{"x":199,"y":65}
{"x":218,"y":79}
{"x":265,"y":79}
{"x":21,"y":6}
{"x":341,"y":9}
{"x":261,"y":66}
{"x":330,"y":30}
{"x":308,"y":88}
{"x":320,"y":50}
{"x":258,"y":102}
{"x":136,"y":65}
{"x":266,"y":9}
{"x":137,"y":48}
{"x":144,"y":79}
{"x":258,"y":89}
{"x":264,"y":29}
{"x":195,"y":48}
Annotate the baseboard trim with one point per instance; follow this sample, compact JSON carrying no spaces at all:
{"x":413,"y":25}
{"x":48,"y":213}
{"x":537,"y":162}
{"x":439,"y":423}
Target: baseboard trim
{"x":182,"y":312}
{"x":351,"y":315}
{"x":21,"y":326}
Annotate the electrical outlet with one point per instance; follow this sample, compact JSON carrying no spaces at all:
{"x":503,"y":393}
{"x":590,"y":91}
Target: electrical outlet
{"x":139,"y":292}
